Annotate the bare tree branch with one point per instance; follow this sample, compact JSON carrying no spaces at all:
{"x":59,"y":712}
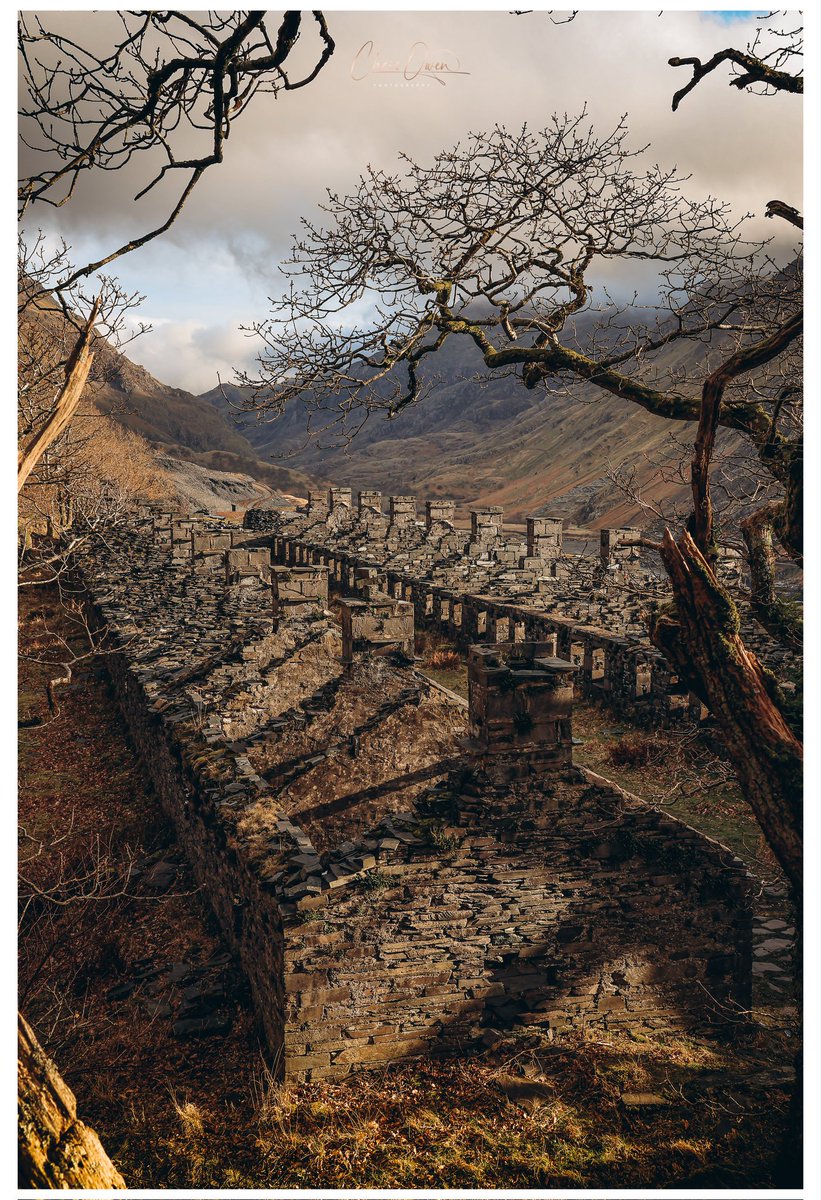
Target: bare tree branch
{"x":170,"y":80}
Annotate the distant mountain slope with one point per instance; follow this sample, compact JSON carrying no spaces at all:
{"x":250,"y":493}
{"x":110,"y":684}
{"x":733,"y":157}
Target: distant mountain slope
{"x":182,"y":425}
{"x":495,"y":443}
{"x":177,"y":423}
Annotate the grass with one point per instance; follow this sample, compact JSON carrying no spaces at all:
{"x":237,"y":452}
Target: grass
{"x":675,"y":769}
{"x":442,"y":662}
{"x":678,"y":771}
{"x":532,"y":1114}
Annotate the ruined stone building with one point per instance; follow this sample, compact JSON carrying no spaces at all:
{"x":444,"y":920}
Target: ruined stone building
{"x":399,"y":872}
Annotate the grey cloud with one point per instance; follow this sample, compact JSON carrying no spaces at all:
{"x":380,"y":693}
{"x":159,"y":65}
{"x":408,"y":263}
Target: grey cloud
{"x":285,"y":152}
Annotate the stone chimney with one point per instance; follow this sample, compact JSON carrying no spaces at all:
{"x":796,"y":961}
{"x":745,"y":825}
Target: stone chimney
{"x":248,"y":565}
{"x":544,"y":537}
{"x":376,"y":625}
{"x":521,"y":707}
{"x":368,"y":502}
{"x":299,"y":591}
{"x":340,"y":512}
{"x":439,"y":512}
{"x":485,"y":522}
{"x":402,"y":511}
{"x":619,"y":546}
{"x":317,"y":505}
{"x":339,"y":497}
{"x":485,"y":530}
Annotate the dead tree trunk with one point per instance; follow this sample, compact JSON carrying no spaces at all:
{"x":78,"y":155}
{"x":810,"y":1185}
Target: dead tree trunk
{"x":65,"y":406}
{"x":702,"y":639}
{"x":55,"y":1149}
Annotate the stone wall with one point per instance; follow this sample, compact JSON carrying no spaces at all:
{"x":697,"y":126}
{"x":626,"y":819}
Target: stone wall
{"x":390,"y":885}
{"x":489,"y":581}
{"x":560,"y":905}
{"x":624,"y":672}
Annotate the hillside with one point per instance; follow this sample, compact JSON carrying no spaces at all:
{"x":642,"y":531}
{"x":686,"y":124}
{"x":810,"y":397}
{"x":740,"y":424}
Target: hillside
{"x":473,"y":440}
{"x":493,"y":442}
{"x":183,"y":426}
{"x":144,"y":436}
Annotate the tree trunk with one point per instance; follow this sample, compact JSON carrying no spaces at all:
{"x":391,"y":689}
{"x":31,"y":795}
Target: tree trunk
{"x":77,"y":369}
{"x":702,"y":639}
{"x":55,"y":1149}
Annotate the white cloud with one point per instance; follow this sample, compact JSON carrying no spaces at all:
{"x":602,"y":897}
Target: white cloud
{"x":191,"y":355}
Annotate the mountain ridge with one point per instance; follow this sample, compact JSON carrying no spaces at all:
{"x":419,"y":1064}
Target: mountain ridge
{"x":496,"y":443}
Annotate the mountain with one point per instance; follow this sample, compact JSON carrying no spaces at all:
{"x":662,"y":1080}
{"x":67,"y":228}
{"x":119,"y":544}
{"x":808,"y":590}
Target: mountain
{"x":494,"y":442}
{"x":183,"y":426}
{"x":176,"y":424}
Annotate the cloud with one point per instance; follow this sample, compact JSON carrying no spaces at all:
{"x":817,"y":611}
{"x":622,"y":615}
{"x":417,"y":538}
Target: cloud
{"x":192,"y":355}
{"x":218,"y":263}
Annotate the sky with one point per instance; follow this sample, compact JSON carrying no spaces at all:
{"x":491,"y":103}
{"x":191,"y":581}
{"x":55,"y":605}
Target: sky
{"x":214,"y":270}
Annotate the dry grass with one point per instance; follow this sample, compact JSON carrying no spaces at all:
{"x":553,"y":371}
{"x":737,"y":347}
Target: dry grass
{"x":533,"y":1114}
{"x":678,"y":770}
{"x":632,"y":750}
{"x":443,"y":660}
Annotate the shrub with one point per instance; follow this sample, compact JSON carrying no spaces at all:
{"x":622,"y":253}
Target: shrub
{"x":634,"y":750}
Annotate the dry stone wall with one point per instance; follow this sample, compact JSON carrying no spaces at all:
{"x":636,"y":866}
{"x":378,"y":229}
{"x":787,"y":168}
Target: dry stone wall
{"x":488,"y":584}
{"x":394,"y":876}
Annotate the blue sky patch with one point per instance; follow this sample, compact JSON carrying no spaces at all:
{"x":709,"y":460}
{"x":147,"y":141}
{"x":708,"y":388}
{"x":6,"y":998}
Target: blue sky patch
{"x":730,"y":16}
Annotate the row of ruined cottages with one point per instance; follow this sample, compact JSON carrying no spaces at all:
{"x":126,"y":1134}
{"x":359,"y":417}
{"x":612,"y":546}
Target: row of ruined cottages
{"x":397,"y":871}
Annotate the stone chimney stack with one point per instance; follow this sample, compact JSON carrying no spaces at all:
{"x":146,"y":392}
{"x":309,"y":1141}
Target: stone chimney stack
{"x":376,"y":625}
{"x":485,"y":522}
{"x":340,"y":513}
{"x":402,"y":511}
{"x":544,"y":537}
{"x":299,"y":591}
{"x":485,"y":530}
{"x":619,"y":546}
{"x":317,"y":505}
{"x":521,"y":707}
{"x":339,"y":497}
{"x":439,"y":512}
{"x":369,"y":502}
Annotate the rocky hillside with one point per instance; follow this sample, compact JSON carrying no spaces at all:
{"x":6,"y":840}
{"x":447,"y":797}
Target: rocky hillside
{"x":494,"y":442}
{"x":183,"y":426}
{"x":157,"y":440}
{"x":489,"y":441}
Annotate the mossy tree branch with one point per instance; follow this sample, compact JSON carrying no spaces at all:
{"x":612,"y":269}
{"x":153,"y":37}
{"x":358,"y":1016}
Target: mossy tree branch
{"x":702,"y":638}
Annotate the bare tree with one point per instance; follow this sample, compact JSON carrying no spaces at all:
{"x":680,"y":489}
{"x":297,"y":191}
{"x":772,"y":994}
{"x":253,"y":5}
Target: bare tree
{"x":56,"y":1149}
{"x":78,"y":469}
{"x":163,"y":95}
{"x":59,"y":334}
{"x":498,"y":242}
